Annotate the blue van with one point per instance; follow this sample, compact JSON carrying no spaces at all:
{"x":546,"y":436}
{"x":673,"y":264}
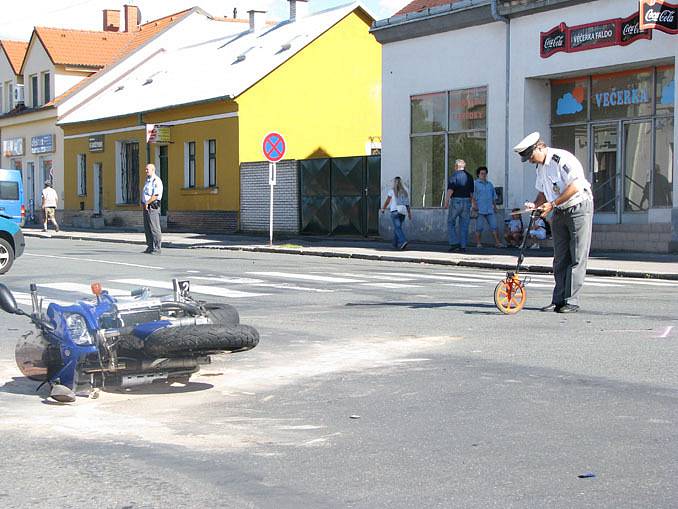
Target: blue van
{"x":12,"y":196}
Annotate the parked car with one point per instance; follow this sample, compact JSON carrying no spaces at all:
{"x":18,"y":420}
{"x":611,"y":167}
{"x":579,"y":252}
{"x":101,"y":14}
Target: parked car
{"x":12,"y":196}
{"x":11,"y":242}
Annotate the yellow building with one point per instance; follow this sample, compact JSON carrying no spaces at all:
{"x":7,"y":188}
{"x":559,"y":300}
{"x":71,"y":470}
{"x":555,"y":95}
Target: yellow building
{"x":205,"y":109}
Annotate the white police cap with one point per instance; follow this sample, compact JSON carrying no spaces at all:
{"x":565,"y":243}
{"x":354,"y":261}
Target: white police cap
{"x":526,"y":146}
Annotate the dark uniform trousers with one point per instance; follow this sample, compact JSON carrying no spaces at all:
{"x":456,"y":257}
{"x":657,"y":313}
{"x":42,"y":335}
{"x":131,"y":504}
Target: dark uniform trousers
{"x":152,"y":228}
{"x":571,"y":230}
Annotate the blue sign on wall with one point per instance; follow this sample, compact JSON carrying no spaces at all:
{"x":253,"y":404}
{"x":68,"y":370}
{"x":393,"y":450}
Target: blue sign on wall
{"x":42,"y":144}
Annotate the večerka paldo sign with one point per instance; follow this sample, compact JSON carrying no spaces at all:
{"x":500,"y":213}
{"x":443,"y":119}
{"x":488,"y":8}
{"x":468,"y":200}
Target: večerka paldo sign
{"x":610,"y":32}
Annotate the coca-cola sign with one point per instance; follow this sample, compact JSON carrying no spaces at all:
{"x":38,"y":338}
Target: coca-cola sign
{"x":610,"y":32}
{"x":631,"y":31}
{"x":660,"y":15}
{"x":553,"y":41}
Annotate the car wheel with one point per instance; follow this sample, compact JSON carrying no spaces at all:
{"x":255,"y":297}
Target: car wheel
{"x":6,"y":256}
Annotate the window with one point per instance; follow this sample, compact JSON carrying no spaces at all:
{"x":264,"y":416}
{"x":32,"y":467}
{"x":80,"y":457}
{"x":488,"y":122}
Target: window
{"x":46,"y":89}
{"x":35,"y":98}
{"x":129,"y":173}
{"x":212,"y":163}
{"x":189,"y":164}
{"x":663,"y":167}
{"x":9,"y":190}
{"x":2,"y":99}
{"x":82,"y":174}
{"x":445,"y":126}
{"x":621,"y":95}
{"x":9,"y":99}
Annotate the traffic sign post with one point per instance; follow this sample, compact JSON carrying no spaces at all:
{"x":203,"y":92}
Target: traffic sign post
{"x":274,"y":148}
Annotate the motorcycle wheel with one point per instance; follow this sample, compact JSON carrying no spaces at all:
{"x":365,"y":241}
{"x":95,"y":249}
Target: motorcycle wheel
{"x":222,"y":314}
{"x":172,"y":341}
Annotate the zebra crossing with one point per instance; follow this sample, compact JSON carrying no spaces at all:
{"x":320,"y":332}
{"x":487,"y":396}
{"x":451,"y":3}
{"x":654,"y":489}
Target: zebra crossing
{"x":267,"y":284}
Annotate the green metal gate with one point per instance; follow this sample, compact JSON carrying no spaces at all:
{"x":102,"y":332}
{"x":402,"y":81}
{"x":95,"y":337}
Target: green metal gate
{"x":340,"y":195}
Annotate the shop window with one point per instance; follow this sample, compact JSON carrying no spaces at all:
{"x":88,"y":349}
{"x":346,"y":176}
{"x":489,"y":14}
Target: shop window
{"x":622,"y":95}
{"x":429,"y":113}
{"x":460,"y":116}
{"x":189,"y":164}
{"x":666,"y":90}
{"x":574,"y":139}
{"x":663,"y":168}
{"x":569,"y":100}
{"x":471,"y":147}
{"x":428,"y":171}
{"x":82,"y":174}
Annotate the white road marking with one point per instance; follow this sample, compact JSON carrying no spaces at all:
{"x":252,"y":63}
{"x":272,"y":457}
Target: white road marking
{"x":492,"y":276}
{"x":202,"y":289}
{"x":260,"y":282}
{"x":307,"y":277}
{"x":390,"y":285}
{"x":461,"y":285}
{"x":634,"y":281}
{"x":79,"y":259}
{"x":373,"y":276}
{"x":438,"y":278}
{"x":82,"y":288}
{"x":666,"y":332}
{"x":25,"y":298}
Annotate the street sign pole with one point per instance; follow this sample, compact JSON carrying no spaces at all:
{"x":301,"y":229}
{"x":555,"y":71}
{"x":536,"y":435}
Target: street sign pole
{"x":274,"y":149}
{"x":271,"y":182}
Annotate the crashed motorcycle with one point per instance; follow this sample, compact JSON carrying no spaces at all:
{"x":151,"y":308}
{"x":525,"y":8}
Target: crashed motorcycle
{"x":122,"y":342}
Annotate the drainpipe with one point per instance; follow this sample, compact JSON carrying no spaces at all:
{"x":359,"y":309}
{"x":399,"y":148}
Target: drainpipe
{"x":497,"y":17}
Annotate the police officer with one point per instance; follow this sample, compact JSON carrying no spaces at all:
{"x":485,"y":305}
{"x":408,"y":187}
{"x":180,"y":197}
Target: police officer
{"x":150,"y":203}
{"x":565,"y":192}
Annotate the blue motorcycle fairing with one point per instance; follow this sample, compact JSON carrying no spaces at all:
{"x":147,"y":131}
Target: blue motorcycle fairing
{"x":143,"y":330}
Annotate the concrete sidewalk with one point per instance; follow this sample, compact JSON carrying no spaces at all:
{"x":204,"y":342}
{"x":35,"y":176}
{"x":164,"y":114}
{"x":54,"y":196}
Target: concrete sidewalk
{"x":642,"y":265}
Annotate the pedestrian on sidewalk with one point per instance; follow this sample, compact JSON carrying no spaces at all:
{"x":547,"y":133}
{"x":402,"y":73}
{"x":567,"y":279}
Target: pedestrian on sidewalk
{"x":537,"y":233}
{"x":484,"y":203}
{"x":458,"y":202}
{"x":150,"y":204}
{"x":50,"y":198}
{"x":514,"y":229}
{"x":564,"y":192}
{"x":398,"y":201}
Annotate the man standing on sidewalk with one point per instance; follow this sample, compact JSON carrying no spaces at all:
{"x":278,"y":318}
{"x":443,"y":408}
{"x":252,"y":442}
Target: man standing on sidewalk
{"x":562,"y":189}
{"x":150,"y":203}
{"x":49,"y":205}
{"x":458,"y":200}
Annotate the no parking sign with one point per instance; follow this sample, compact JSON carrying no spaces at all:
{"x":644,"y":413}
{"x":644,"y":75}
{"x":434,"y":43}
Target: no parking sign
{"x":274,"y":148}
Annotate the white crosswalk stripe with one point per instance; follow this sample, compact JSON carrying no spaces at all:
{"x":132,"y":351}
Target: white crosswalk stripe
{"x":307,"y":277}
{"x":82,"y":288}
{"x":25,"y":299}
{"x":201,"y":289}
{"x":261,"y":283}
{"x":390,"y":285}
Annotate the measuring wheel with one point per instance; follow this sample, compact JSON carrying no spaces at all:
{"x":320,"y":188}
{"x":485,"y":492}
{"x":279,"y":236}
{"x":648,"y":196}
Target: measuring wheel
{"x":509,"y":295}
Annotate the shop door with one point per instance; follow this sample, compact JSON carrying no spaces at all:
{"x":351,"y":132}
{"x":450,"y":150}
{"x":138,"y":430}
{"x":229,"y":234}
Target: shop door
{"x":637,"y":170}
{"x":30,"y":191}
{"x":98,"y":188}
{"x":604,"y":180}
{"x":164,"y":174}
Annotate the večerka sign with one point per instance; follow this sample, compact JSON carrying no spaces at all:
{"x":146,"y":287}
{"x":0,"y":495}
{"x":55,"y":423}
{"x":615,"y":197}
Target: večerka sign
{"x":622,"y":97}
{"x":660,"y":15}
{"x":610,"y":32}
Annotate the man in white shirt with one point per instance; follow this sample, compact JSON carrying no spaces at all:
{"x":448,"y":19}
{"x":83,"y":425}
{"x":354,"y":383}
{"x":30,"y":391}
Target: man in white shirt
{"x":562,"y":189}
{"x":150,"y":204}
{"x":50,"y":199}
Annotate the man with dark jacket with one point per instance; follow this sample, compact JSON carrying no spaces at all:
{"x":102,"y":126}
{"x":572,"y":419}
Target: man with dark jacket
{"x":458,"y":202}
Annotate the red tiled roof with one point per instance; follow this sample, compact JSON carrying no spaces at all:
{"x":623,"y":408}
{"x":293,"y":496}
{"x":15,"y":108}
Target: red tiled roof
{"x":420,"y":5}
{"x":15,"y":52}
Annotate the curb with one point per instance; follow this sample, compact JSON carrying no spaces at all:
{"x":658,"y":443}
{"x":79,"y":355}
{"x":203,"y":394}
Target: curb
{"x":540,"y":269}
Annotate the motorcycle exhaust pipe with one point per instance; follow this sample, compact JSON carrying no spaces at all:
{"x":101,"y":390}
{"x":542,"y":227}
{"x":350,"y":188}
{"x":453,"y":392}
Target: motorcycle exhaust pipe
{"x":34,"y":300}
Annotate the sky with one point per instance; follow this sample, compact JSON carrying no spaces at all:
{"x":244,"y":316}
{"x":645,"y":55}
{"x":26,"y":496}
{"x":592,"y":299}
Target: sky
{"x":87,"y":14}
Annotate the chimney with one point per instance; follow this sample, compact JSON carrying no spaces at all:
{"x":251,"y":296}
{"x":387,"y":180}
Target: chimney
{"x":132,"y":18}
{"x":256,"y":20}
{"x":298,"y":9}
{"x":111,"y":20}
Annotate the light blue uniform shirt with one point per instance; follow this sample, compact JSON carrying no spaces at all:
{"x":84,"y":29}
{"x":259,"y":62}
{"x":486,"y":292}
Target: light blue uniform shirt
{"x":485,"y":196}
{"x":153,"y":186}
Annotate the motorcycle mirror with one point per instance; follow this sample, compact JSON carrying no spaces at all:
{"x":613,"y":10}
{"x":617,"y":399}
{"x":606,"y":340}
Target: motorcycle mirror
{"x":7,"y":301}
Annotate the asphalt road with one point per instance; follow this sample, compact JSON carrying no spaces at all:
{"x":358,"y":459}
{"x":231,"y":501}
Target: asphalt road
{"x":375,"y":384}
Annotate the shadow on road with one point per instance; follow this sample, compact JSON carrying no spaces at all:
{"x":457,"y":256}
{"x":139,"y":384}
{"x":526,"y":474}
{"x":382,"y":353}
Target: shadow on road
{"x":161,"y":388}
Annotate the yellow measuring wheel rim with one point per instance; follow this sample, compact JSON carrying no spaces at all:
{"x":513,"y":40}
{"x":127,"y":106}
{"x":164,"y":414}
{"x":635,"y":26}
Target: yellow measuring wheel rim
{"x":510,"y":296}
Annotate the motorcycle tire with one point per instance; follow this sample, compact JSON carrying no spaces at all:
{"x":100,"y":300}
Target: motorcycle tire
{"x":172,"y":341}
{"x":222,"y":314}
{"x":6,"y":256}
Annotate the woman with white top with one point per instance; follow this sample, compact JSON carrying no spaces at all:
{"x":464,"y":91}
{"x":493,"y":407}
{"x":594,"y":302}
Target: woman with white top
{"x":398,"y":201}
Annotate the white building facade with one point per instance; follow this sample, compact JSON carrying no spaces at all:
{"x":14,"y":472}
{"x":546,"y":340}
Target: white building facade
{"x":470,"y":79}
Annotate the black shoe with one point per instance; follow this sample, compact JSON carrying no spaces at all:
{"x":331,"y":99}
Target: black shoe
{"x":147,"y":251}
{"x":461,"y":250}
{"x":453,"y":248}
{"x":550,"y":307}
{"x":567,"y":308}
